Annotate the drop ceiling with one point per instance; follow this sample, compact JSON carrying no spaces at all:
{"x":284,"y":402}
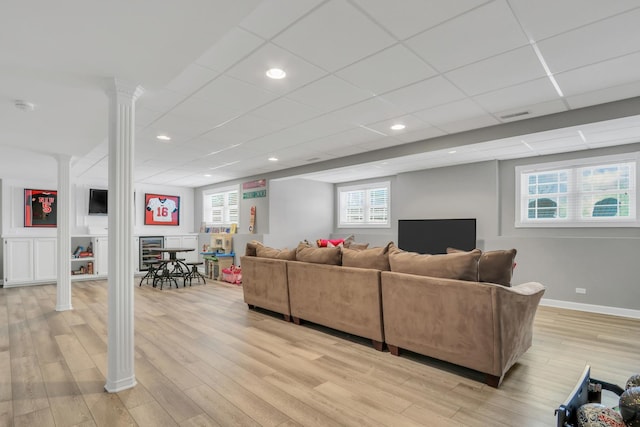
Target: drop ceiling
{"x":446,"y":70}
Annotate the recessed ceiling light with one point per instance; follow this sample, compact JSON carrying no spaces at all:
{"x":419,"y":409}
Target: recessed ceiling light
{"x":398,"y":126}
{"x":208,"y":175}
{"x":276,"y":73}
{"x":452,"y":152}
{"x":24,"y":105}
{"x":273,"y":159}
{"x":163,"y":137}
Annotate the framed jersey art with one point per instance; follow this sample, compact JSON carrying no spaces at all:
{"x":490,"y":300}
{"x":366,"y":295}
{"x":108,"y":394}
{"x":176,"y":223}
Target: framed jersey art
{"x":40,"y":208}
{"x":161,"y":209}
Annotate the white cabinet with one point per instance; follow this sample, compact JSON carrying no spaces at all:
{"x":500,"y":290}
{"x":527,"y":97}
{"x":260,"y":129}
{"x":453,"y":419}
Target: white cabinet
{"x":29,"y":260}
{"x":102,"y":256}
{"x":184,"y":241}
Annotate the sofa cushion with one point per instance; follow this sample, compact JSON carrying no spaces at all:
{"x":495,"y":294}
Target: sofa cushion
{"x":494,"y":266}
{"x":330,"y":256}
{"x":267,"y":252}
{"x":376,"y":258}
{"x":358,"y":246}
{"x":461,"y":266}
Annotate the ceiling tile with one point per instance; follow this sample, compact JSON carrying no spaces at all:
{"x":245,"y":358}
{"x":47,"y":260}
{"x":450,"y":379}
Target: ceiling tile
{"x":328,"y":94}
{"x":339,"y":141}
{"x":606,"y":39}
{"x":272,"y":16}
{"x":191,"y":79}
{"x":425,"y":94}
{"x":253,"y":69}
{"x":390,"y":69}
{"x":483,"y":32}
{"x":412,"y":16}
{"x":522,"y":95}
{"x":500,"y":71}
{"x":232,"y":97}
{"x":604,"y":74}
{"x":286,"y":112}
{"x":546,"y":18}
{"x":469,"y":123}
{"x":326,"y":37}
{"x":419,"y":135}
{"x":233,"y":47}
{"x":242,"y":129}
{"x":369,"y":111}
{"x":601,"y":96}
{"x":159,"y":100}
{"x":451,"y":112}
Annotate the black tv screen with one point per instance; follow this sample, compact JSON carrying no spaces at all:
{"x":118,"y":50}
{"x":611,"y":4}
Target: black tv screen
{"x":434,"y":236}
{"x":98,"y":202}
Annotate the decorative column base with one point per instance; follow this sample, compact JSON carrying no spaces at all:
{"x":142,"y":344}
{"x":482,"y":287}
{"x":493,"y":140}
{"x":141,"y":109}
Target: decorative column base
{"x":119,"y":385}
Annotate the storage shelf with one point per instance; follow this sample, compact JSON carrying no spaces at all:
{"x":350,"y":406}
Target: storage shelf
{"x":83,"y":259}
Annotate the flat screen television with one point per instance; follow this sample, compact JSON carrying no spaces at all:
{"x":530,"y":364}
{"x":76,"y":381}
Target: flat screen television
{"x":434,"y":236}
{"x":98,"y":202}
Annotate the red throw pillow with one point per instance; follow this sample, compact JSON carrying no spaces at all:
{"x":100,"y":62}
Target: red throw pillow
{"x":323,"y":243}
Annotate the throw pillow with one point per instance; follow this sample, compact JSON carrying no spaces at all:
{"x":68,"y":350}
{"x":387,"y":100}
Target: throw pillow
{"x":251,"y":248}
{"x":267,"y":252}
{"x":461,"y":266}
{"x":330,"y":243}
{"x":358,"y":246}
{"x":494,"y":266}
{"x":375,"y":258}
{"x":330,"y":256}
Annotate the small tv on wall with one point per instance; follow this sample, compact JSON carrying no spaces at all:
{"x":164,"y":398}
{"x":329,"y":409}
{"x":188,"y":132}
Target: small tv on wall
{"x":98,"y":202}
{"x":434,"y":236}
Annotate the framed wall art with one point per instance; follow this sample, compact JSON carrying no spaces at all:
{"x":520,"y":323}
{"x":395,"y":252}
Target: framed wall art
{"x":40,"y":208}
{"x":161,"y":209}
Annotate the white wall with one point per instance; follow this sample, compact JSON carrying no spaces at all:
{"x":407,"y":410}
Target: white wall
{"x":299,"y":209}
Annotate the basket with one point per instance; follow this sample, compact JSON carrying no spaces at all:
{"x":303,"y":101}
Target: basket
{"x":232,"y":274}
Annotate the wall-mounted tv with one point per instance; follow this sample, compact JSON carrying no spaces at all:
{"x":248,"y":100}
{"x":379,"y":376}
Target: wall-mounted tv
{"x":434,"y":236}
{"x":98,"y":202}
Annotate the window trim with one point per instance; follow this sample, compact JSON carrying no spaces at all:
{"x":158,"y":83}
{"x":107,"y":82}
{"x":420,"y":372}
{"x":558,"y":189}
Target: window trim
{"x":573,"y":165}
{"x":207,"y":193}
{"x":359,"y":187}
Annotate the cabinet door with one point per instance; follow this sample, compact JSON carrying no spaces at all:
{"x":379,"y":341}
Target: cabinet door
{"x":18,"y":261}
{"x":101,"y":254}
{"x":190,"y":242}
{"x":172,"y":241}
{"x":45,"y":259}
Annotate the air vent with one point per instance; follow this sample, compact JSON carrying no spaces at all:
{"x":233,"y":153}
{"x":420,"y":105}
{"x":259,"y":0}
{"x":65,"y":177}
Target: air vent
{"x":313,"y":159}
{"x":512,"y":115}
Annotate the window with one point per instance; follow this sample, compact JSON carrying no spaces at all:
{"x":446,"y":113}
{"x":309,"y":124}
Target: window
{"x":597,"y":192}
{"x":221,"y":207}
{"x":364,"y":205}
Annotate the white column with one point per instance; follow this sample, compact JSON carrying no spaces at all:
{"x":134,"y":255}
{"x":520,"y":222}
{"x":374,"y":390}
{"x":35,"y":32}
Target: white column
{"x":63,"y":288}
{"x":120,"y":346}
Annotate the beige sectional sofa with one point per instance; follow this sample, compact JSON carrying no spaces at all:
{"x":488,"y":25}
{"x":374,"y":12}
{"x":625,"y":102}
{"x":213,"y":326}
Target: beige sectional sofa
{"x":457,"y":317}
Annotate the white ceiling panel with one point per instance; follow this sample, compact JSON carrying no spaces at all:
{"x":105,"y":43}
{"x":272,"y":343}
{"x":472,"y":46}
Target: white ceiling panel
{"x":602,"y":75}
{"x":600,"y":96}
{"x":392,"y":68}
{"x":369,"y":111}
{"x":468,"y":124}
{"x":413,"y":16}
{"x":286,"y":112}
{"x":411,"y":122}
{"x":425,"y":94}
{"x":419,"y":135}
{"x":271,"y":16}
{"x":191,"y":79}
{"x":253,"y":69}
{"x":242,"y":129}
{"x":593,"y":43}
{"x":329,"y":93}
{"x":545,"y":18}
{"x":488,"y":30}
{"x":514,"y":97}
{"x":451,"y":112}
{"x":327,"y":37}
{"x":535,"y":110}
{"x":500,"y":71}
{"x":234,"y":46}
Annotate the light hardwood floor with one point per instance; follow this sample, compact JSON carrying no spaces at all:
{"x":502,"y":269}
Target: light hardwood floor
{"x":203,"y":358}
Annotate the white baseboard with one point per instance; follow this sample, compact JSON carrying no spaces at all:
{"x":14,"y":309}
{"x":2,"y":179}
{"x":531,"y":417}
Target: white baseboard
{"x":591,"y":308}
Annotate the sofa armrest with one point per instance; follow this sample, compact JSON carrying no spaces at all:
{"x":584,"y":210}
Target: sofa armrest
{"x":515,"y":311}
{"x":265,"y":283}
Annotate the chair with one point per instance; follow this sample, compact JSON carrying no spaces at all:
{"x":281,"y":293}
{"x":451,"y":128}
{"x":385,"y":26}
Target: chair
{"x":195,"y":273}
{"x":152,"y":267}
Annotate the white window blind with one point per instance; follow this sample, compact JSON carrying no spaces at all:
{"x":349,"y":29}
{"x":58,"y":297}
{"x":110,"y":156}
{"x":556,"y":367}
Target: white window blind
{"x":364,"y":205}
{"x":221,"y":208}
{"x":590,"y":192}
